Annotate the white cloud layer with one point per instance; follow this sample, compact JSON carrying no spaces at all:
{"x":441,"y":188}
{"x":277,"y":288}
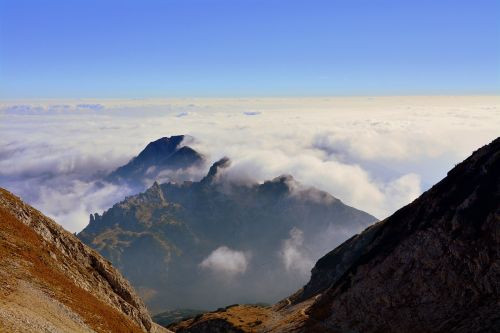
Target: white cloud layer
{"x":375,"y":154}
{"x":226,"y":261}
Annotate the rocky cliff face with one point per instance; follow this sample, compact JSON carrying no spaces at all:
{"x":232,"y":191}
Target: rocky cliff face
{"x":433,"y":266}
{"x":214,"y":242}
{"x":52,"y":282}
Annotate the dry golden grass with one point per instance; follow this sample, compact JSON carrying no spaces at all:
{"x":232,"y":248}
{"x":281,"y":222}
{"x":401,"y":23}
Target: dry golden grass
{"x":25,"y":256}
{"x":246,"y":318}
{"x":255,"y":319}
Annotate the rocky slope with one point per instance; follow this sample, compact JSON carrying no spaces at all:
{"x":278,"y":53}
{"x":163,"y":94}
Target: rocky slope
{"x":156,"y":161}
{"x":215,"y":242}
{"x":433,"y":266}
{"x":51,"y":282}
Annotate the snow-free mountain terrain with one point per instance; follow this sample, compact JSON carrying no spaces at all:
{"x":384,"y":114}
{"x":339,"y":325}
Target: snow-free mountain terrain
{"x":433,"y":266}
{"x":213,"y":242}
{"x":52,"y":282}
{"x":160,"y":159}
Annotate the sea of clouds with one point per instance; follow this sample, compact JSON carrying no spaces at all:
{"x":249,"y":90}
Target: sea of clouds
{"x":376,"y":154}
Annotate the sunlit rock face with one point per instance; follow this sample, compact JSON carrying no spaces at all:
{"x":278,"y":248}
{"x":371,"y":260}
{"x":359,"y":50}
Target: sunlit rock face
{"x":51,"y":282}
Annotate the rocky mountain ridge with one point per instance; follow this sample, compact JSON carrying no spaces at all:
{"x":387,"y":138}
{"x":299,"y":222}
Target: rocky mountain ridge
{"x":433,"y":266}
{"x":169,"y":240}
{"x":50,"y":281}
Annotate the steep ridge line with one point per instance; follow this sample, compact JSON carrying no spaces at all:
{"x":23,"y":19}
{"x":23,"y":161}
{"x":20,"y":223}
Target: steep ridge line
{"x":73,"y":285}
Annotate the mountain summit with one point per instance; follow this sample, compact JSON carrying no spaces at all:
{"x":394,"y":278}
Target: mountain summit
{"x":213,"y":172}
{"x":213,"y":242}
{"x":433,"y":266}
{"x":161,"y":156}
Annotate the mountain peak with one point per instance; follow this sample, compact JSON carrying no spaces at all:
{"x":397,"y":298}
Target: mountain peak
{"x":283,"y":184}
{"x":169,"y":244}
{"x":162,"y":146}
{"x":164,"y":154}
{"x":155,"y":193}
{"x":214,"y":171}
{"x":285,"y":179}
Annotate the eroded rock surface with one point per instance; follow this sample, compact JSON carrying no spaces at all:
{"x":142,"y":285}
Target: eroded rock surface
{"x":433,"y":266}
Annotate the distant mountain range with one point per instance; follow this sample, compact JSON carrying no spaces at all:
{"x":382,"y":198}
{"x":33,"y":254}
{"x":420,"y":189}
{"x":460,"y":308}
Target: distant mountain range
{"x":158,"y":160}
{"x":433,"y":266}
{"x":207,"y":243}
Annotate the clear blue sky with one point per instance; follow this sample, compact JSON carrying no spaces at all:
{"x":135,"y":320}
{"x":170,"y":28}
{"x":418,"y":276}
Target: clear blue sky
{"x":167,"y":48}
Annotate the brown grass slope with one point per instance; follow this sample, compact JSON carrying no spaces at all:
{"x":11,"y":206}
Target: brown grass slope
{"x":50,"y":281}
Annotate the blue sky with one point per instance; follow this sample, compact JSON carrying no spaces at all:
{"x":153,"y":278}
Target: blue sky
{"x":177,"y":48}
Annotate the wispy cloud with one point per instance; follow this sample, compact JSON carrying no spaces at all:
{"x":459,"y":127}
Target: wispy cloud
{"x":294,"y":255}
{"x":226,"y":261}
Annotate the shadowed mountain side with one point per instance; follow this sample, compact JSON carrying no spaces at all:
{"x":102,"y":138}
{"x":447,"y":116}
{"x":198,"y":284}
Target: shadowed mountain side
{"x":433,"y":266}
{"x":213,"y":242}
{"x":168,"y":154}
{"x":51,"y":282}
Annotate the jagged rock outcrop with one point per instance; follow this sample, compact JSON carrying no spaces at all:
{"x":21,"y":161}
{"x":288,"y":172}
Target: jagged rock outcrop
{"x":433,"y":266}
{"x":51,"y":281}
{"x":214,"y":171}
{"x":160,"y":238}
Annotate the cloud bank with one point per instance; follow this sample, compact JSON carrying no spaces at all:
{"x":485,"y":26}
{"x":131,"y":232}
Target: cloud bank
{"x":375,"y":154}
{"x":226,"y":261}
